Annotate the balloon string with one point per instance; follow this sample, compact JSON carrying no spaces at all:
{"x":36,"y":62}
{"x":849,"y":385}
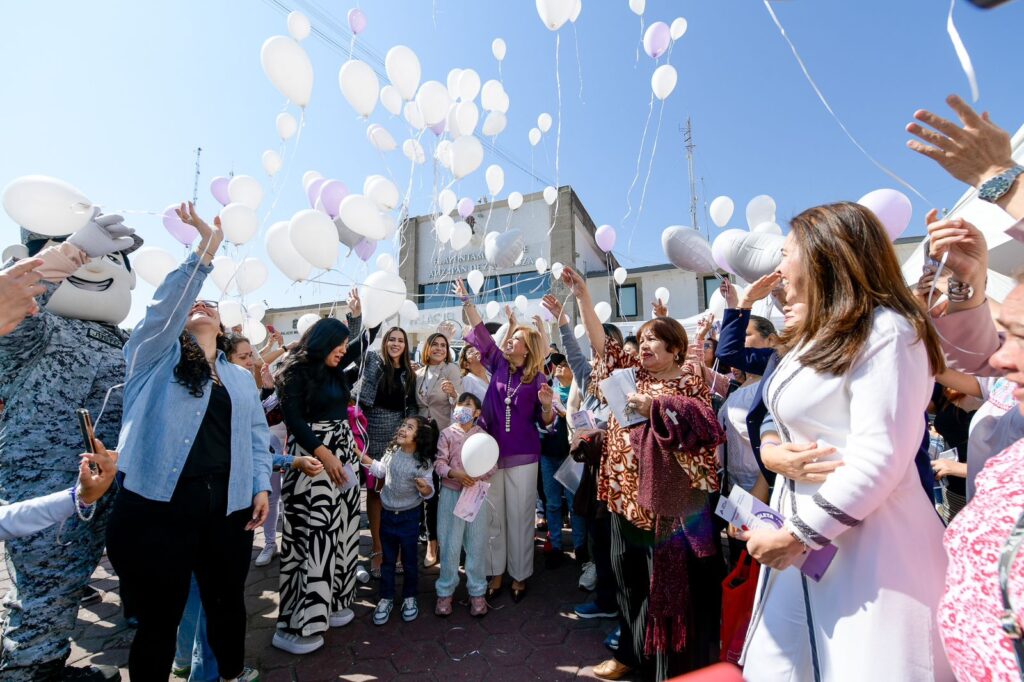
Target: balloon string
{"x":828,"y":107}
{"x":579,"y":64}
{"x":636,"y":62}
{"x":961,"y":53}
{"x":558,"y":133}
{"x":650,"y":167}
{"x":636,"y":176}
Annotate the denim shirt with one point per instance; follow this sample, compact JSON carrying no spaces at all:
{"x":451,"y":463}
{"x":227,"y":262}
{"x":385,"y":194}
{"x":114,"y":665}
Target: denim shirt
{"x":161,"y":418}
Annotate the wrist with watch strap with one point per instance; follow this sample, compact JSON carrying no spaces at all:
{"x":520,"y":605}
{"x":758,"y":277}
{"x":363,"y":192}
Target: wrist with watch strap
{"x":993,"y":189}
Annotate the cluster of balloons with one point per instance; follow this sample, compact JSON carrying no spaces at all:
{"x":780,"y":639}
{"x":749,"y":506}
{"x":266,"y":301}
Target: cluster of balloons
{"x":543,"y":125}
{"x":554,"y":13}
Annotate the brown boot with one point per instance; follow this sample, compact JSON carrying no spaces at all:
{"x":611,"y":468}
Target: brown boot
{"x":612,"y":670}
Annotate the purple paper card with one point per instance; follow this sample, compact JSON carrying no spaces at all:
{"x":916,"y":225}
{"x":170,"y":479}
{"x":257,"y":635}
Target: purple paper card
{"x":470,"y":501}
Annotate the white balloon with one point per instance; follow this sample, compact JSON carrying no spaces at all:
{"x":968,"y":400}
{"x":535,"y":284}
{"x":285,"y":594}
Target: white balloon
{"x":760,"y":209}
{"x":542,"y":265}
{"x":288,"y":67}
{"x":298,"y":26}
{"x":503,"y":249}
{"x":346,"y":235}
{"x":391,"y":98}
{"x":556,"y":270}
{"x":452,"y":83}
{"x":314,"y":237}
{"x":501,"y":103}
{"x":663,"y":81}
{"x":380,"y":138}
{"x":576,"y":11}
{"x":495,"y":177}
{"x":245,"y":189}
{"x":305,"y":322}
{"x":284,"y":255}
{"x":359,"y":85}
{"x":550,"y":195}
{"x":469,"y":85}
{"x":361,"y":215}
{"x":256,"y":311}
{"x":286,"y":125}
{"x":749,"y":255}
{"x":382,"y":191}
{"x":768,"y":228}
{"x":498,"y":49}
{"x":446,"y":201}
{"x":46,"y":205}
{"x":534,"y":136}
{"x":254,"y":330}
{"x":638,"y":6}
{"x":231,"y":313}
{"x":687,"y":249}
{"x":475,"y":279}
{"x":239,"y":223}
{"x":544,"y":122}
{"x":492,"y":309}
{"x":494,"y":124}
{"x":408,"y":310}
{"x":251,"y":275}
{"x":721,"y":210}
{"x":678,"y":28}
{"x":479,"y":454}
{"x":462,"y":234}
{"x":413,"y":151}
{"x":603,"y":310}
{"x":413,"y":116}
{"x":271,"y":162}
{"x":662,"y":294}
{"x":153,"y":265}
{"x":433,"y":101}
{"x":554,"y":13}
{"x":308,"y":177}
{"x":515,"y":200}
{"x":521,"y":304}
{"x":716,"y":305}
{"x":382,"y":295}
{"x":443,"y":153}
{"x":403,"y":69}
{"x":579,"y":331}
{"x":223,"y":274}
{"x":390,"y":226}
{"x":443,"y":227}
{"x":386,"y":261}
{"x":467,"y":116}
{"x":467,"y":154}
{"x":620,"y":275}
{"x":490,"y":94}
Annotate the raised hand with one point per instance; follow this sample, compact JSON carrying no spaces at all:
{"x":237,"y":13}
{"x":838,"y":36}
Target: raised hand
{"x":576,"y":284}
{"x":210,"y":238}
{"x":658,"y":309}
{"x":554,"y":306}
{"x":19,"y":285}
{"x":728,"y":292}
{"x":704,"y":325}
{"x":105,"y":234}
{"x":965,"y":245}
{"x":760,"y":289}
{"x":93,"y":484}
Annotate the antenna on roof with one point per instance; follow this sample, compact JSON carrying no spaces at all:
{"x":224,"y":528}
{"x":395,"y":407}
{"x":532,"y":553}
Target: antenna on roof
{"x":690,"y":146}
{"x":195,"y":184}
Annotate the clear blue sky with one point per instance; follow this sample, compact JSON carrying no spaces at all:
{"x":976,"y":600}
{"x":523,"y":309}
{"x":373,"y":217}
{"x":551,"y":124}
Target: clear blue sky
{"x":114,"y":96}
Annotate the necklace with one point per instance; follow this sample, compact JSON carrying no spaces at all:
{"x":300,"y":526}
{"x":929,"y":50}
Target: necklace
{"x":510,"y":393}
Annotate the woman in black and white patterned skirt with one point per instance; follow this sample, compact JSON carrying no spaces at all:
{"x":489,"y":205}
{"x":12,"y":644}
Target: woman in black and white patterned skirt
{"x":320,"y":543}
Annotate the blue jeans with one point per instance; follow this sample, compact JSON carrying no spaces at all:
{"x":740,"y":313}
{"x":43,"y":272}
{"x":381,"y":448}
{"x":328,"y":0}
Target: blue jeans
{"x":193,"y":648}
{"x":553,"y":491}
{"x":400,"y":531}
{"x":453,"y":534}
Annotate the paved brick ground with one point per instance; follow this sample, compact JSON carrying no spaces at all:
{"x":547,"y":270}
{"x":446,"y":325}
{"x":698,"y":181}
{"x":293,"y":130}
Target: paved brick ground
{"x":537,"y":639}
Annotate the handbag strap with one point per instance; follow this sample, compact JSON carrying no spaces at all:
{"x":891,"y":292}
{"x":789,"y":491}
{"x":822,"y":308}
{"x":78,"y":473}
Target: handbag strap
{"x":1008,"y":619}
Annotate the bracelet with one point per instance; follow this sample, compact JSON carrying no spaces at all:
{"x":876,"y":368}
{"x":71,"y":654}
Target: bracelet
{"x":770,"y":443}
{"x":958,"y":292}
{"x":81,"y":508}
{"x":464,"y":299}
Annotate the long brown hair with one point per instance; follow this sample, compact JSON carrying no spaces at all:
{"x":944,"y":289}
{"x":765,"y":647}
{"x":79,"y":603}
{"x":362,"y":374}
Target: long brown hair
{"x":850,"y":270}
{"x":391,"y":374}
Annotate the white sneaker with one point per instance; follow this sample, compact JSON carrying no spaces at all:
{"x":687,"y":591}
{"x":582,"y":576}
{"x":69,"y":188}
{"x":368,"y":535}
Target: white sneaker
{"x":588,"y":578}
{"x":383,"y":611}
{"x":266,"y":555}
{"x":295,"y":643}
{"x":249,"y":675}
{"x":362,"y":575}
{"x":340,"y":619}
{"x":410,"y":609}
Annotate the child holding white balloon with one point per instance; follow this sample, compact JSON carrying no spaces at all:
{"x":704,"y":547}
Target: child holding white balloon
{"x":456,"y":533}
{"x":406,"y":469}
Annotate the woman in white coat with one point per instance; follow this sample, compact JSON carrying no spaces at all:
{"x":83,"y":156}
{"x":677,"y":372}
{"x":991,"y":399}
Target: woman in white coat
{"x":852,"y":389}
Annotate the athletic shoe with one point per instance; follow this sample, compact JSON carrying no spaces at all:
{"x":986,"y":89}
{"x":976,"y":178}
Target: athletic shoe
{"x":477,"y":606}
{"x":443,"y":607}
{"x":362,"y":575}
{"x":182,"y":671}
{"x":383,"y":611}
{"x":592,"y":610}
{"x":295,"y":643}
{"x":91,"y":595}
{"x":612,"y":640}
{"x":265,"y":556}
{"x":588,"y":578}
{"x":249,"y":675}
{"x":340,"y":619}
{"x":410,"y":609}
{"x":92,"y":673}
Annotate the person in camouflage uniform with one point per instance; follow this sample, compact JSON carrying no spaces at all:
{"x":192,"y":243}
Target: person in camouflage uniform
{"x":67,"y":356}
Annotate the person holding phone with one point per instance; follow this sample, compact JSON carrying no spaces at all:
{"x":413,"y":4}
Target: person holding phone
{"x":196,"y":456}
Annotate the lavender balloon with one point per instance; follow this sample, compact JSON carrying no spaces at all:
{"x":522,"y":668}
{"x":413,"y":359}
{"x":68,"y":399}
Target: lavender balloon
{"x":356,"y":20}
{"x":893,"y":209}
{"x":438,"y":128}
{"x":219,"y":189}
{"x":365,"y":249}
{"x":605,"y":238}
{"x":331,"y":194}
{"x":313,"y":191}
{"x":184,"y":233}
{"x":657,"y":39}
{"x":466,"y":207}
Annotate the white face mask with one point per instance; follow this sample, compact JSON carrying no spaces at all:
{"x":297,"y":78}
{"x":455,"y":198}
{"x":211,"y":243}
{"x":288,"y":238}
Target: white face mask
{"x":462,"y":414}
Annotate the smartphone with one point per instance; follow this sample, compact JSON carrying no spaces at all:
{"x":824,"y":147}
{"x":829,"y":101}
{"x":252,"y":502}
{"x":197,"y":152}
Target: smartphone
{"x":270,"y":328}
{"x":85,"y":425}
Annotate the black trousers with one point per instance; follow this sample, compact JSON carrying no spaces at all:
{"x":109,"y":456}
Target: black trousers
{"x":155,"y":547}
{"x":600,"y":530}
{"x":429,"y":515}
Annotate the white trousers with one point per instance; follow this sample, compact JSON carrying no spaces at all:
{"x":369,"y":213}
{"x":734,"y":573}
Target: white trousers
{"x":513,"y":496}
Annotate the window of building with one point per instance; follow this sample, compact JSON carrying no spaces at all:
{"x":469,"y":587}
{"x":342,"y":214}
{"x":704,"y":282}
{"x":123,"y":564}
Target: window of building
{"x":711,"y":285}
{"x":437,"y":295}
{"x":500,"y":288}
{"x":627,"y":301}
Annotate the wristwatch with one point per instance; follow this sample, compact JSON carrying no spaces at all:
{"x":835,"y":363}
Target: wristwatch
{"x":993,"y":189}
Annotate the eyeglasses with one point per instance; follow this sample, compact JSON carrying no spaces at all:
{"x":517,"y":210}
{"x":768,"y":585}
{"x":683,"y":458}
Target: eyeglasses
{"x":212,"y":305}
{"x":708,"y":345}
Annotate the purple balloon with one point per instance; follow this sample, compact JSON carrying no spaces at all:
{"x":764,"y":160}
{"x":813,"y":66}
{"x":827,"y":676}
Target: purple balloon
{"x":466,"y":207}
{"x":438,"y":128}
{"x":364,"y":249}
{"x":605,"y":238}
{"x":356,"y":20}
{"x":184,"y":233}
{"x":893,"y":209}
{"x":331,"y":194}
{"x":219,"y":190}
{"x":657,"y":39}
{"x":313,"y":191}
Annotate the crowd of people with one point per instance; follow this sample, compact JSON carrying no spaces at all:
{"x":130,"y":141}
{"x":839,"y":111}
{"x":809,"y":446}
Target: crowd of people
{"x":841,"y":421}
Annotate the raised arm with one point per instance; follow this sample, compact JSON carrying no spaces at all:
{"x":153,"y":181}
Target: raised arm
{"x":578,"y":362}
{"x":472,"y":314}
{"x":585,"y":304}
{"x":959,"y":381}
